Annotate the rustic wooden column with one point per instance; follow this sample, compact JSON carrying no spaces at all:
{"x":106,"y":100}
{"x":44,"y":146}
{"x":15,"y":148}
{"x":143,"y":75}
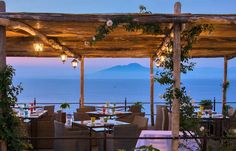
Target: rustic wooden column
{"x":152,"y":91}
{"x":3,"y":146}
{"x":82,"y":82}
{"x":2,"y":40}
{"x":224,"y":89}
{"x":176,"y":75}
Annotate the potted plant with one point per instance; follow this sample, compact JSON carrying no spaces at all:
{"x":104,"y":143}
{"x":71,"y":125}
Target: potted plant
{"x":62,"y":114}
{"x":207,"y":104}
{"x":137,"y":107}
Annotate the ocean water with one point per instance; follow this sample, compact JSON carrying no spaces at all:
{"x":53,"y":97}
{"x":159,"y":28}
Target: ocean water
{"x":116,"y":90}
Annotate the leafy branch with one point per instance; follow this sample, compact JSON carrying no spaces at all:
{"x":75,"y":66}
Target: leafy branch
{"x":164,"y":60}
{"x":128,"y":24}
{"x":9,"y":123}
{"x":165,"y":77}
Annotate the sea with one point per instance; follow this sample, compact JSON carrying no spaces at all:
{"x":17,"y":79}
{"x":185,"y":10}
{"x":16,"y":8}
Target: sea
{"x":50,"y":91}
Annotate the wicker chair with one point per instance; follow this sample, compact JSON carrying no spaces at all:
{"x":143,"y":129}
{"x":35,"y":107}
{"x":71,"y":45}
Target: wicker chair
{"x":129,"y":130}
{"x":50,"y":109}
{"x":86,"y":109}
{"x":70,"y":144}
{"x":81,"y":116}
{"x":162,"y":119}
{"x":45,"y":128}
{"x":141,"y":122}
{"x":130,"y":118}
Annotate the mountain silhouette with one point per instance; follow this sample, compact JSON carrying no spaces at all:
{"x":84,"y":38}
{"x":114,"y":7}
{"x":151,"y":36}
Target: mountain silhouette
{"x":137,"y":71}
{"x":130,"y":71}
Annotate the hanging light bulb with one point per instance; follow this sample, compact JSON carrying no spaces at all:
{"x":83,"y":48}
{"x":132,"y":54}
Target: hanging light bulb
{"x":74,"y":63}
{"x":157,"y":62}
{"x":38,"y":46}
{"x":170,"y":49}
{"x":162,"y":58}
{"x":63,"y":57}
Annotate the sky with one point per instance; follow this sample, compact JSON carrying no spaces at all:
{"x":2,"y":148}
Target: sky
{"x":35,"y":66}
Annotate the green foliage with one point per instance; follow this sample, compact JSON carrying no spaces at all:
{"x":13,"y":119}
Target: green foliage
{"x":207,"y":104}
{"x":129,"y":24}
{"x":143,"y":10}
{"x":165,"y":60}
{"x":139,"y":104}
{"x":223,"y":145}
{"x":164,"y":76}
{"x":65,"y":106}
{"x":11,"y":128}
{"x":147,"y":148}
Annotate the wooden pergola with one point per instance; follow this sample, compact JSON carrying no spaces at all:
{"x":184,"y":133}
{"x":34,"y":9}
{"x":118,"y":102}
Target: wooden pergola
{"x":68,"y":33}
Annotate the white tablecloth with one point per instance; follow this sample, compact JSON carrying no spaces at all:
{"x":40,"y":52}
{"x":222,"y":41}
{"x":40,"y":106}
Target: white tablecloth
{"x":163,"y":144}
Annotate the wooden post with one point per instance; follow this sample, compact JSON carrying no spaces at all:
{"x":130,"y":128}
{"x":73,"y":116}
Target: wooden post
{"x":3,"y":146}
{"x":176,"y":75}
{"x":224,"y":89}
{"x":2,"y":40}
{"x":152,"y":91}
{"x":82,"y":83}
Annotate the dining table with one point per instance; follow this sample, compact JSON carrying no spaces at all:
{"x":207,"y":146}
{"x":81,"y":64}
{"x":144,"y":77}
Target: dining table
{"x":163,"y":144}
{"x":216,"y":124}
{"x":98,"y":126}
{"x":109,"y":114}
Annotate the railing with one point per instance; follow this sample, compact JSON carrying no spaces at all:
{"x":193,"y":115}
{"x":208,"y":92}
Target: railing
{"x":204,"y":139}
{"x":127,"y":104}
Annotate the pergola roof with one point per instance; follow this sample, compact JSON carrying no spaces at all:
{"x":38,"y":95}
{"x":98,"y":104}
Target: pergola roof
{"x":72,"y":30}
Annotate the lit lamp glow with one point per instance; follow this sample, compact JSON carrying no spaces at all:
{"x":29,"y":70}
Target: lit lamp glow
{"x":63,"y":57}
{"x":162,"y":58}
{"x":170,"y":50}
{"x":38,"y":47}
{"x":157,"y":62}
{"x":74,"y":63}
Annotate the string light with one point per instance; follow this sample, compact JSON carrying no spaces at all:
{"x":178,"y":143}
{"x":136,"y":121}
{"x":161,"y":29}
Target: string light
{"x":169,"y":49}
{"x":158,"y":63}
{"x":162,"y":58}
{"x":38,"y":46}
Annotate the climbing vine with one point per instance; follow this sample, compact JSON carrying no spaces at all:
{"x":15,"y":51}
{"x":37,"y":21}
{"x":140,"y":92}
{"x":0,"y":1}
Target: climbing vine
{"x":164,"y":62}
{"x":126,"y":22}
{"x":9,"y":123}
{"x":188,"y":124}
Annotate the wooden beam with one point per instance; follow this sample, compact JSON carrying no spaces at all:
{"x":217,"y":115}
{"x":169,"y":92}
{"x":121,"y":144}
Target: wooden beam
{"x":141,"y":18}
{"x":224,"y":89}
{"x":152,"y":91}
{"x":176,"y":74}
{"x":16,"y":25}
{"x":82,"y":82}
